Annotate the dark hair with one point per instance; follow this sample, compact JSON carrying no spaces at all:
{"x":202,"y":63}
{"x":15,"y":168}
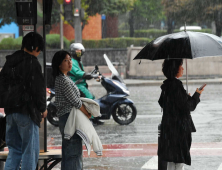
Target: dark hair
{"x":32,"y":40}
{"x":57,"y":60}
{"x":170,"y":67}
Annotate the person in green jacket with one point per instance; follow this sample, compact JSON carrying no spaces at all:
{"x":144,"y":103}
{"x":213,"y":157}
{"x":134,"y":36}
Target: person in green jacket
{"x":77,"y":50}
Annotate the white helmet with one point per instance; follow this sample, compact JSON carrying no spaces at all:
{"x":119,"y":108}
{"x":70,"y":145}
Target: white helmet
{"x":76,"y":46}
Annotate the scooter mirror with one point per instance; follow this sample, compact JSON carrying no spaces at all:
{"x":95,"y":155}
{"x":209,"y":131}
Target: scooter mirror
{"x":96,"y":67}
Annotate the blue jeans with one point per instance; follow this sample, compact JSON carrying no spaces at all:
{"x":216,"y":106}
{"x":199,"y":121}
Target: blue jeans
{"x":22,"y":138}
{"x":71,"y":149}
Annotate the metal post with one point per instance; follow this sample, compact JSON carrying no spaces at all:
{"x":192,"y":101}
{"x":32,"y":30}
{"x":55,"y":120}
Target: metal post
{"x":162,"y":165}
{"x":44,"y":64}
{"x":78,"y":26}
{"x":61,"y":28}
{"x":103,"y":26}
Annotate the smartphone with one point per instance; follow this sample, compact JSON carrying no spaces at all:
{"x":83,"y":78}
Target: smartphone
{"x":202,"y":86}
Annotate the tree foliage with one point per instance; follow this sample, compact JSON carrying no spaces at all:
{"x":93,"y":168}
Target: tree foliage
{"x":108,"y":7}
{"x":194,"y":11}
{"x":91,"y":7}
{"x":145,"y":12}
{"x":7,"y":12}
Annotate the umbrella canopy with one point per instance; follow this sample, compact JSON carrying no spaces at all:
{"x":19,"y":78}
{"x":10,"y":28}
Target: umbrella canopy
{"x":182,"y":45}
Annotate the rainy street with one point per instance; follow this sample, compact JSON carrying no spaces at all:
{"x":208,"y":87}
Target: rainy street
{"x":51,"y":44}
{"x":134,"y":147}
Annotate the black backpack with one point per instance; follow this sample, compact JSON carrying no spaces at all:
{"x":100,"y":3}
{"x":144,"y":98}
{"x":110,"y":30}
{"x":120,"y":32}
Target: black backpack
{"x":13,"y":87}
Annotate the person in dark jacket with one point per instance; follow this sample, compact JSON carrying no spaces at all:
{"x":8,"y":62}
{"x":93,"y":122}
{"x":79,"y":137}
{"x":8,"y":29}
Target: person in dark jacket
{"x":22,"y":127}
{"x":177,"y":124}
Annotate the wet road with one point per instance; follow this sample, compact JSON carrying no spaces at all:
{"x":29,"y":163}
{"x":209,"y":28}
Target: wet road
{"x":142,"y":133}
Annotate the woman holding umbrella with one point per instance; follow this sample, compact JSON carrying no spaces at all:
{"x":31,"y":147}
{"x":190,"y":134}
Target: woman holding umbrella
{"x":177,"y":124}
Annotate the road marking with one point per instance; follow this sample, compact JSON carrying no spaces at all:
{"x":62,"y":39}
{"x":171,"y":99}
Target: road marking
{"x":160,"y":116}
{"x":148,"y":116}
{"x":205,"y":148}
{"x":220,"y":167}
{"x":139,"y":149}
{"x":151,"y":164}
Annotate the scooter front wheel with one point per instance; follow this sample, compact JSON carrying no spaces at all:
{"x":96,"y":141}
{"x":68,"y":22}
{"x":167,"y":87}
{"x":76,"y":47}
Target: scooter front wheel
{"x":124,"y":114}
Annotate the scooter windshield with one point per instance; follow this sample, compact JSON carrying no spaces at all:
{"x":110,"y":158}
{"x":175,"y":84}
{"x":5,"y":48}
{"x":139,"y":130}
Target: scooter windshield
{"x":115,"y":74}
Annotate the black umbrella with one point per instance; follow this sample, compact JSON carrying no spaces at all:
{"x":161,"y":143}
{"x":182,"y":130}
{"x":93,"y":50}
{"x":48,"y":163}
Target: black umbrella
{"x":182,"y":45}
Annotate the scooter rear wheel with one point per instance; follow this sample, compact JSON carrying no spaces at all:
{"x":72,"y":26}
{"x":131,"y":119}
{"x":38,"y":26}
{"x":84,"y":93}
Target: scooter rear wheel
{"x":51,"y":116}
{"x":124,"y":114}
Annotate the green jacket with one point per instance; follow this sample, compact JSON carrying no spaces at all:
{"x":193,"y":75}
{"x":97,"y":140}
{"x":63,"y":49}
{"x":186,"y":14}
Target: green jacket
{"x":76,"y":74}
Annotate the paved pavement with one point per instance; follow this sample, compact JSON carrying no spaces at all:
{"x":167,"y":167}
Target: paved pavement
{"x":134,"y":147}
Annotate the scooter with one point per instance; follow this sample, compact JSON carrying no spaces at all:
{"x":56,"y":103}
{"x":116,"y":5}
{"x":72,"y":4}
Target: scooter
{"x":114,"y":103}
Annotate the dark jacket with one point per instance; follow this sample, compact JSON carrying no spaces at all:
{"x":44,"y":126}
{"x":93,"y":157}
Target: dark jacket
{"x":30,"y":70}
{"x":177,"y":124}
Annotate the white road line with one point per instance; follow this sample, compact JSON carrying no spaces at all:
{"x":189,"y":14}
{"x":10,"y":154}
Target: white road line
{"x":151,"y":164}
{"x":128,"y":149}
{"x":205,"y":148}
{"x":148,"y":116}
{"x":159,"y":116}
{"x":220,"y":167}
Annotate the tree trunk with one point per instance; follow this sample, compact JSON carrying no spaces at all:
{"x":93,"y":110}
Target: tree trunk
{"x":131,"y":23}
{"x":218,"y":23}
{"x":169,"y":24}
{"x":218,"y":30}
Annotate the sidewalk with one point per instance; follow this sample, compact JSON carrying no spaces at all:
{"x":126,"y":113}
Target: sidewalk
{"x":137,"y":82}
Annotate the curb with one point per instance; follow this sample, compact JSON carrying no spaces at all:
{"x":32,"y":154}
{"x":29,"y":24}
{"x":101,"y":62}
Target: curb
{"x":136,"y":82}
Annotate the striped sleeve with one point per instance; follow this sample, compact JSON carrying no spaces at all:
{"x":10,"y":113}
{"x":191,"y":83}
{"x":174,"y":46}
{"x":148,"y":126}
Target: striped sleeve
{"x":71,"y":94}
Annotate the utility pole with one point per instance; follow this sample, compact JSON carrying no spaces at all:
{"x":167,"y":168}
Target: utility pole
{"x":77,"y":22}
{"x":61,"y":28}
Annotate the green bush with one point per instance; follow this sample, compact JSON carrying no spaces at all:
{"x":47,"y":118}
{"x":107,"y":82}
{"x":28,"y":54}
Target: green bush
{"x":115,"y":42}
{"x":203,"y":30}
{"x":18,"y":41}
{"x":153,"y":33}
{"x":9,"y":41}
{"x":150,"y":33}
{"x":53,"y":41}
{"x":9,"y":44}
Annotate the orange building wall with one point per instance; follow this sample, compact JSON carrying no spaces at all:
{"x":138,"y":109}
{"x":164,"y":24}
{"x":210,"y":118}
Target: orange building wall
{"x":93,"y":30}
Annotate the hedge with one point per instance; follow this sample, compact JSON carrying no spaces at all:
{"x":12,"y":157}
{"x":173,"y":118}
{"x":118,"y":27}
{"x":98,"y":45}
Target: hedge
{"x":115,"y":42}
{"x":53,"y":41}
{"x":153,"y":33}
{"x":9,"y":44}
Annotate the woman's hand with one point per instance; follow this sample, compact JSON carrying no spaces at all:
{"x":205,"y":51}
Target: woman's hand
{"x":199,"y":91}
{"x":44,"y":114}
{"x":83,"y":109}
